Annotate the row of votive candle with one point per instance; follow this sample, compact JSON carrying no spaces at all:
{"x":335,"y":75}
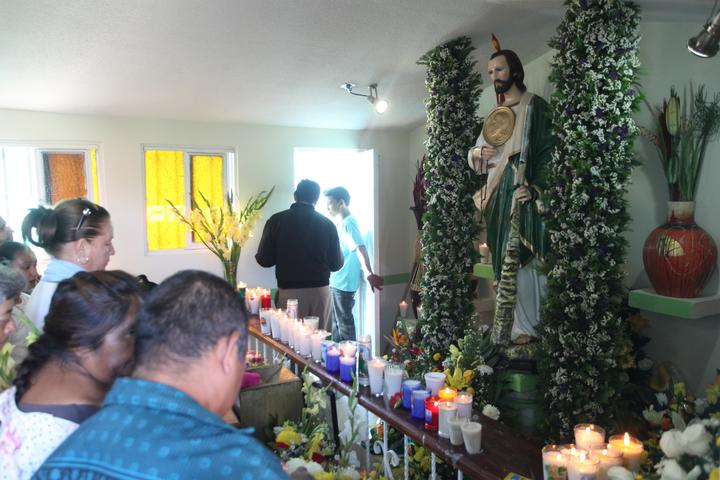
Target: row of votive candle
{"x":255,"y":298}
{"x":590,"y":458}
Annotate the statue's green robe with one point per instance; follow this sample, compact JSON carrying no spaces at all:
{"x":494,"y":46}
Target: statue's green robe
{"x":497,"y":212}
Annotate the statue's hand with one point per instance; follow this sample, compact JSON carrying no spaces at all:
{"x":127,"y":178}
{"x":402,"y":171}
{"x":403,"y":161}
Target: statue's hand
{"x":522,"y":194}
{"x":488,"y":152}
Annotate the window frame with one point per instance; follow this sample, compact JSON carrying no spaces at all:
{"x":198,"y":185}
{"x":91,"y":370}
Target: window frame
{"x":90,"y":193}
{"x":229,"y":155}
{"x":37,"y":175}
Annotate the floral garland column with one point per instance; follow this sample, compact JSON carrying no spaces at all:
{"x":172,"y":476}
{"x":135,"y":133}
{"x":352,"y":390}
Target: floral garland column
{"x":594,"y":72}
{"x":453,"y":84}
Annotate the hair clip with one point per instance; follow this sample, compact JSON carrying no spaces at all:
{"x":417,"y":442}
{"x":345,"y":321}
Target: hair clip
{"x":85,"y":213}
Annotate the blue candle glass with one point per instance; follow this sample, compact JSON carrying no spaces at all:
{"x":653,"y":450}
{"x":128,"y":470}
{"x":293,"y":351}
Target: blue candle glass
{"x":347,"y":368}
{"x":418,"y":403}
{"x":332,"y":360}
{"x":407,"y":388}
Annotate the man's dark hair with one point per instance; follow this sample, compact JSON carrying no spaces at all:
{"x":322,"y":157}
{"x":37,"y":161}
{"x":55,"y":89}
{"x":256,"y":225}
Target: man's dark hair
{"x":517,"y":73}
{"x":185,"y":316}
{"x":339,"y":193}
{"x":307,"y":191}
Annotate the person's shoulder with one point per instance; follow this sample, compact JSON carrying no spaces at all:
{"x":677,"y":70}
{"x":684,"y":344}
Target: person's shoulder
{"x":248,"y":454}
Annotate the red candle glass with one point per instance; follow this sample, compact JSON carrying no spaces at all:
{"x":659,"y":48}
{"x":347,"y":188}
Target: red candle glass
{"x":265,"y":301}
{"x":431,"y":413}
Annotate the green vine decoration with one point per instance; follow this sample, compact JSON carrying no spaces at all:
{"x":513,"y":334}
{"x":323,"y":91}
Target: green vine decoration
{"x":595,"y":72}
{"x":453,"y":84}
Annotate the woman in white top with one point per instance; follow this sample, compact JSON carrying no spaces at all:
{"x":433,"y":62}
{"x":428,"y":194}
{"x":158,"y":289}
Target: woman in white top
{"x":87,"y":343}
{"x":77,"y":234}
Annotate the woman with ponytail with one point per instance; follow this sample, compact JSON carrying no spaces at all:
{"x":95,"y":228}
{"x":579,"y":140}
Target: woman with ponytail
{"x":77,"y":234}
{"x":86,"y":344}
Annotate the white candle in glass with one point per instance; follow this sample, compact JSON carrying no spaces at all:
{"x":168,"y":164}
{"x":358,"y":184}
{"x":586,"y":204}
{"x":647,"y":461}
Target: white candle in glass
{"x":254,"y":303}
{"x":555,"y":463}
{"x":609,"y":457}
{"x":455,"y":426}
{"x":472,"y":437}
{"x":316,"y":339}
{"x":312,"y":323}
{"x":284,"y":328}
{"x":291,"y":332}
{"x":348,"y":348}
{"x":403,"y":308}
{"x":376,"y":368}
{"x":463,"y":403}
{"x":446,"y":410}
{"x":583,"y":467}
{"x":589,"y":437}
{"x":393,"y":378}
{"x":484,"y":252}
{"x":434,"y":382}
{"x":305,"y":342}
{"x":631,"y":448}
{"x":275,"y":324}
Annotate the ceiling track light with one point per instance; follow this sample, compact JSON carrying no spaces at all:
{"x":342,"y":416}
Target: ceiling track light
{"x":381,"y":105}
{"x":705,"y":43}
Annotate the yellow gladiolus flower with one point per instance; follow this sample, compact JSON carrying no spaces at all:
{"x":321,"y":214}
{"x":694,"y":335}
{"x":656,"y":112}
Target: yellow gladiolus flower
{"x":437,"y":357}
{"x":468,"y":376}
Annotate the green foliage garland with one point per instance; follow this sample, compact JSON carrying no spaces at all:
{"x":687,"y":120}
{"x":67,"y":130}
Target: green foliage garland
{"x":594,"y":72}
{"x":448,"y":231}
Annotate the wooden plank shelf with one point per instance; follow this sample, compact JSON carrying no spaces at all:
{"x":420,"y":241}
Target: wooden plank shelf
{"x":690,"y":308}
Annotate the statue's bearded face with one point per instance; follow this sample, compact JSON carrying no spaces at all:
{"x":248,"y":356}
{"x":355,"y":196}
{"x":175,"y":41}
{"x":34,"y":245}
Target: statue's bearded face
{"x":499,"y":73}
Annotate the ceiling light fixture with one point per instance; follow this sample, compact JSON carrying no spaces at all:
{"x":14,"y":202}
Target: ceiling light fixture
{"x":381,"y":105}
{"x":705,"y":43}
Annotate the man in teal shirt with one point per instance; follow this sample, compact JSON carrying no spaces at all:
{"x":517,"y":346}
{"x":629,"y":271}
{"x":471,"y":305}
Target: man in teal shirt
{"x":345,"y":282}
{"x":165,"y":422}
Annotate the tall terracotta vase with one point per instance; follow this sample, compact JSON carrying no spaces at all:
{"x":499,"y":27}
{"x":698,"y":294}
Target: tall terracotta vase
{"x":679,"y":256}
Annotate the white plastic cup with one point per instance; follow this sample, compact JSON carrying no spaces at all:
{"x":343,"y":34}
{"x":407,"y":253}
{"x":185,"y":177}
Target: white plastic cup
{"x":472,"y":437}
{"x":455,"y":426}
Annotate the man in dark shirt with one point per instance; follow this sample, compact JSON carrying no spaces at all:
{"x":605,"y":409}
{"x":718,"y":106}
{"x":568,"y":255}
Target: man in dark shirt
{"x":304,"y":248}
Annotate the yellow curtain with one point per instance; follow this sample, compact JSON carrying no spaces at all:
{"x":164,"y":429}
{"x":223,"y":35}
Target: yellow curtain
{"x":94,"y":173}
{"x":207,"y":178}
{"x":164,"y":180}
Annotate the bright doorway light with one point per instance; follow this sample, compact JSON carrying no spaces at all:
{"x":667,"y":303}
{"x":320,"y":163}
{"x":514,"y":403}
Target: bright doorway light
{"x":355,"y":170}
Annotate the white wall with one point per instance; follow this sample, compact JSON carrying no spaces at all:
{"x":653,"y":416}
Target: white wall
{"x":693,"y":345}
{"x":264,"y":158}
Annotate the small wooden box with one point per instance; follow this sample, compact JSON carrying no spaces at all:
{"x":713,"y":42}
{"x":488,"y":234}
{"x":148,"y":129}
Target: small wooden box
{"x":282,"y":398}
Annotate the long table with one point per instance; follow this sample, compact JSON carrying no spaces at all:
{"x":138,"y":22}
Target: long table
{"x":505,"y":451}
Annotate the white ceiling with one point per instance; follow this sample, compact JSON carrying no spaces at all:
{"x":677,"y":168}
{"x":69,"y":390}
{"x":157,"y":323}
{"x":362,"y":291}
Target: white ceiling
{"x":277,"y":62}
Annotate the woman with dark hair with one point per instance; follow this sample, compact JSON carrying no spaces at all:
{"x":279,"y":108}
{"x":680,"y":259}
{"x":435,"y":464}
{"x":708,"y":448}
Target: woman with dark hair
{"x":86,"y":344}
{"x":21,"y":259}
{"x":77,"y":234}
{"x":11,"y":284}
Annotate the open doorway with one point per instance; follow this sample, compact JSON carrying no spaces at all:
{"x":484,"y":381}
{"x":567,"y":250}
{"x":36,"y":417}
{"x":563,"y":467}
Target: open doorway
{"x":355,"y":170}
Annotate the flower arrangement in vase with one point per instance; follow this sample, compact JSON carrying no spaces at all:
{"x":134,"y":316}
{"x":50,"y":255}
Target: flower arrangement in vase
{"x":679,"y":256}
{"x":224,"y":230}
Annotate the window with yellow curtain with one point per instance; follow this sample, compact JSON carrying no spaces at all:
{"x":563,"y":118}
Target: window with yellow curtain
{"x":165,"y":172}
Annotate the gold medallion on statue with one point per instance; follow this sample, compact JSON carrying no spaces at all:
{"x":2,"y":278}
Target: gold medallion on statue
{"x":499,"y":125}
